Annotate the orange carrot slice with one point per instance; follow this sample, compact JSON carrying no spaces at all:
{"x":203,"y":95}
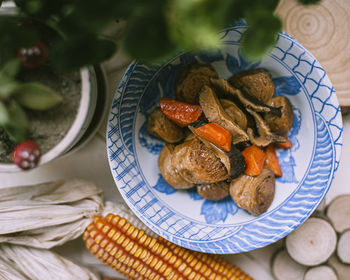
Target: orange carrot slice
{"x":216,"y":134}
{"x":181,"y":113}
{"x":254,"y":158}
{"x":271,"y":161}
{"x":286,"y":145}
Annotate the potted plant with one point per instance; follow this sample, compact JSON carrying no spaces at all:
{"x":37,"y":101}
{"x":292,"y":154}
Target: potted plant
{"x":43,"y":112}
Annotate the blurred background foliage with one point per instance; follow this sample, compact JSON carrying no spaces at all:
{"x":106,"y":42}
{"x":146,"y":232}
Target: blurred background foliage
{"x":154,"y":30}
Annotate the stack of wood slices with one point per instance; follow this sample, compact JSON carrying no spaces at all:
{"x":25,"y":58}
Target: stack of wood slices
{"x":320,"y":247}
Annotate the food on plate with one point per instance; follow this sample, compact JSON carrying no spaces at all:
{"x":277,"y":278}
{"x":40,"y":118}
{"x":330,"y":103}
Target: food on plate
{"x":284,"y":123}
{"x":181,"y":113}
{"x":255,"y":159}
{"x":234,"y":112}
{"x":230,"y":130}
{"x":197,"y":163}
{"x":254,"y":193}
{"x":256,"y":82}
{"x":168,"y":169}
{"x":214,"y":191}
{"x":162,"y":127}
{"x":262,"y":136}
{"x":215,"y":113}
{"x":191,"y":80}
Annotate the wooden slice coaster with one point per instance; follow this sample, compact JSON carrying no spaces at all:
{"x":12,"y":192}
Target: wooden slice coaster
{"x":343,"y":247}
{"x":313,"y":242}
{"x":338,"y":212}
{"x":324,"y":29}
{"x":283,"y":267}
{"x":321,"y":272}
{"x":343,"y":270}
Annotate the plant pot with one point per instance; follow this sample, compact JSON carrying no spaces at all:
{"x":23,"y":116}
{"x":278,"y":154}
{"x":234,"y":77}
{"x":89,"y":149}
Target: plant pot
{"x":80,"y":124}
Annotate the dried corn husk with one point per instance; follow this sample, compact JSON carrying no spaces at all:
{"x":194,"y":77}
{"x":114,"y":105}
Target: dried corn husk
{"x":48,"y":214}
{"x":25,"y":263}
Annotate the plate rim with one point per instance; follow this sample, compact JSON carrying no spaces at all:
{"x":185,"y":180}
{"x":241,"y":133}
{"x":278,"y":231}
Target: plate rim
{"x":187,"y":244}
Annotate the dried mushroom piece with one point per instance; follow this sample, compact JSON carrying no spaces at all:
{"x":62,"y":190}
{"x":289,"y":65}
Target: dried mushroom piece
{"x":168,"y":169}
{"x":198,"y":164}
{"x":161,"y":127}
{"x":215,"y":113}
{"x":284,"y":123}
{"x":248,"y":101}
{"x":256,"y":82}
{"x":214,"y":191}
{"x":254,"y":194}
{"x":234,"y":112}
{"x":265,"y":137}
{"x":191,"y":80}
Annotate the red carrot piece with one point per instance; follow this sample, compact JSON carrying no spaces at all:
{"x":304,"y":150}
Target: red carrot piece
{"x":254,"y":158}
{"x":286,"y":145}
{"x":271,"y":161}
{"x":216,"y":134}
{"x":181,"y":113}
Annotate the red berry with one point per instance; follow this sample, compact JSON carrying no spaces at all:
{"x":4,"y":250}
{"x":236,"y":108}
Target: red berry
{"x":26,"y":155}
{"x":33,"y":56}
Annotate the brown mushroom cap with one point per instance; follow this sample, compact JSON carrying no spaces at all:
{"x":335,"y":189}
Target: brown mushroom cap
{"x":265,"y":137}
{"x":161,"y":127}
{"x":256,"y":82}
{"x":191,"y":80}
{"x":214,"y":112}
{"x":283,"y":124}
{"x":168,"y":169}
{"x":214,"y":191}
{"x":254,"y":194}
{"x":234,"y":112}
{"x":198,"y":164}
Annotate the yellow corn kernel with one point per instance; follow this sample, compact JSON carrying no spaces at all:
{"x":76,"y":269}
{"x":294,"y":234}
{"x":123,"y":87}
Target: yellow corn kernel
{"x":133,"y":253}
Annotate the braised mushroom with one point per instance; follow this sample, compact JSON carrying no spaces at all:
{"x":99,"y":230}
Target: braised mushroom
{"x":214,"y":112}
{"x":168,"y":169}
{"x":161,"y":127}
{"x":233,"y":160}
{"x":254,"y":194}
{"x":234,"y":112}
{"x":265,"y":137}
{"x":214,"y":191}
{"x":284,"y":123}
{"x":248,"y":101}
{"x":197,"y":164}
{"x":191,"y":80}
{"x":256,"y":82}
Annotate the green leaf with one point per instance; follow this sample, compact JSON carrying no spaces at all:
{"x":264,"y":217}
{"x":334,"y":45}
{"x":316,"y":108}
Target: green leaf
{"x":10,"y":69}
{"x":37,"y":96}
{"x":17,"y":127}
{"x":146,"y":38}
{"x":7,"y":87}
{"x":260,"y":37}
{"x":4,"y":114}
{"x":80,"y":50}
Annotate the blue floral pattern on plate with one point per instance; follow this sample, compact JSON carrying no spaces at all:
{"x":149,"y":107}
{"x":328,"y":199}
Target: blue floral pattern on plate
{"x":185,"y":218}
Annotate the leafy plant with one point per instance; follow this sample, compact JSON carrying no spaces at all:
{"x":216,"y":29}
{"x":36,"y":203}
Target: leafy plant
{"x":154,"y":29}
{"x":16,"y":96}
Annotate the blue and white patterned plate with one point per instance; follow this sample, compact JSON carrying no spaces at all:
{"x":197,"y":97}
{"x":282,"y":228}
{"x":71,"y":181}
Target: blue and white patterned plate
{"x":185,"y":218}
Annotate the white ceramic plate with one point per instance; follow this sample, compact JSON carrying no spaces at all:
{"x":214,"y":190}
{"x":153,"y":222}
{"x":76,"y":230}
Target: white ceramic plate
{"x":185,"y":218}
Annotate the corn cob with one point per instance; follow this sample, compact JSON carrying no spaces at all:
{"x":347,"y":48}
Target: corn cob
{"x":138,"y":256}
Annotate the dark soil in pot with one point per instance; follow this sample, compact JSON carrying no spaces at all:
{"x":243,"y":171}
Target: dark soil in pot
{"x":49,"y":127}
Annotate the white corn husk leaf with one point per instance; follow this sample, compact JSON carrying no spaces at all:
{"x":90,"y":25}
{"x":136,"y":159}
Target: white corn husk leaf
{"x":48,"y":214}
{"x":26,"y":263}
